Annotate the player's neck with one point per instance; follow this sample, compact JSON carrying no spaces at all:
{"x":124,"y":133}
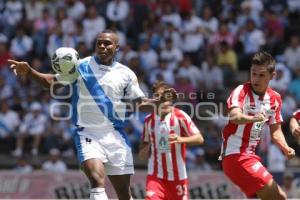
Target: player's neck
{"x":103,"y":62}
{"x":107,"y":63}
{"x":258,"y":93}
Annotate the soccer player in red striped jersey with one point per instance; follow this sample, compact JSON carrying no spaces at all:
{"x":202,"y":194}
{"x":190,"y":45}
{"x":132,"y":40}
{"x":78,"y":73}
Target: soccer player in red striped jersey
{"x":251,"y":106}
{"x":295,"y":124}
{"x":166,"y":133}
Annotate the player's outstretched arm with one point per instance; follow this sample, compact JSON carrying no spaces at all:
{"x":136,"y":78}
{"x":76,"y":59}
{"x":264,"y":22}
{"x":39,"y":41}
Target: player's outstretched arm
{"x":194,"y":139}
{"x":192,"y":134}
{"x":236,"y":116}
{"x":294,"y":127}
{"x":148,"y":104}
{"x":152,"y":104}
{"x":278,"y":138}
{"x":21,"y":68}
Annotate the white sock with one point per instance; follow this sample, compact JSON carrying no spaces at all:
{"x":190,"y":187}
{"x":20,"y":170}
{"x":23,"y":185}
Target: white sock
{"x":98,"y":194}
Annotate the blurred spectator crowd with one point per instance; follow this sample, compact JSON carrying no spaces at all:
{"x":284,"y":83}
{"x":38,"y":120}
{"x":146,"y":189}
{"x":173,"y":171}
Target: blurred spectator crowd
{"x":201,"y":48}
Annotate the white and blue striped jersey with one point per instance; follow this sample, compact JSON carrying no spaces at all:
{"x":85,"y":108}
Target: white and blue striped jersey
{"x":99,"y":92}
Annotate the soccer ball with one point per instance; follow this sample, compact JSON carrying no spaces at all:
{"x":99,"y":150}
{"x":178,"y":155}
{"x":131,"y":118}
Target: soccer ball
{"x":65,"y":60}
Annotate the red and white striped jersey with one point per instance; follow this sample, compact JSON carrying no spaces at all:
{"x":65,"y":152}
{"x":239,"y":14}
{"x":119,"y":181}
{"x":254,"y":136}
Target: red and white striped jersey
{"x":244,"y":138}
{"x":167,"y":161}
{"x":296,"y":115}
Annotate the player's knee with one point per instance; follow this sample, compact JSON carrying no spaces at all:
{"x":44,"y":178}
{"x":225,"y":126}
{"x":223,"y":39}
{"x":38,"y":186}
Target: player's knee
{"x":95,"y":172}
{"x":273,"y":191}
{"x":279,"y":193}
{"x":96,"y":179}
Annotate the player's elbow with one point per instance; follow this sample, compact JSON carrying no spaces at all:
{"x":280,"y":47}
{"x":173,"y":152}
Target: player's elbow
{"x":199,"y":139}
{"x":275,"y":136}
{"x":234,"y":117}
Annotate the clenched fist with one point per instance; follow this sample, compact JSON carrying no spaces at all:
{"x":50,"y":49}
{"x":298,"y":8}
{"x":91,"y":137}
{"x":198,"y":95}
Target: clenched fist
{"x":290,"y":153}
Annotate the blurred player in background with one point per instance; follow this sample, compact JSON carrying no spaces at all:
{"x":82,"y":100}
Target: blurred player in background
{"x":250,"y":106}
{"x":294,"y":124}
{"x":100,"y":87}
{"x":166,"y":133}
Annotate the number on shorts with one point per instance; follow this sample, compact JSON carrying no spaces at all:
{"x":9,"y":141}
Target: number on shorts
{"x":181,"y":190}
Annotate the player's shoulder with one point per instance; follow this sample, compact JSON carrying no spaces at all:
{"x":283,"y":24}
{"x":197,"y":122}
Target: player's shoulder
{"x":180,"y":114}
{"x":274,"y":95}
{"x":240,"y":91}
{"x":85,"y":60}
{"x":296,"y":114}
{"x":121,"y":67}
{"x":243,"y":87}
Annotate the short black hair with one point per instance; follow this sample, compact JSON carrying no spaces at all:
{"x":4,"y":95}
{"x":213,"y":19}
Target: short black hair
{"x":109,"y":31}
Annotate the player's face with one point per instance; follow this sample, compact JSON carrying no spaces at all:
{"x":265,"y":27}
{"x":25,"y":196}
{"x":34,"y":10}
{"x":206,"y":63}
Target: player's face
{"x":106,"y":46}
{"x":260,"y":78}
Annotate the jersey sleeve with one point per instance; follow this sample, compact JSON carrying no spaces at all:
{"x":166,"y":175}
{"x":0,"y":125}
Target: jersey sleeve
{"x":187,"y":125}
{"x":296,"y":115}
{"x":276,"y":116}
{"x":67,"y":79}
{"x":132,"y":89}
{"x":236,"y":98}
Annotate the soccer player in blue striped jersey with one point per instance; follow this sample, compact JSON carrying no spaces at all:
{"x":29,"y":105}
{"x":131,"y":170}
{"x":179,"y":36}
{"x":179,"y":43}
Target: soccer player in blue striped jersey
{"x":102,"y":89}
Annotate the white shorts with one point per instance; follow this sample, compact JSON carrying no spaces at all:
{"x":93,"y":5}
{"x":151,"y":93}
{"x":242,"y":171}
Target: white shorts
{"x":110,"y":147}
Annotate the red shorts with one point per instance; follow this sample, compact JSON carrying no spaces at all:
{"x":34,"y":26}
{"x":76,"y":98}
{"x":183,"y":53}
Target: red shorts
{"x":159,"y":189}
{"x":247,"y":172}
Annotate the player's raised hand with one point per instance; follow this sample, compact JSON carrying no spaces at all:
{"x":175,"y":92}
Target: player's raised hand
{"x":19,"y":68}
{"x":173,"y":139}
{"x":290,"y":153}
